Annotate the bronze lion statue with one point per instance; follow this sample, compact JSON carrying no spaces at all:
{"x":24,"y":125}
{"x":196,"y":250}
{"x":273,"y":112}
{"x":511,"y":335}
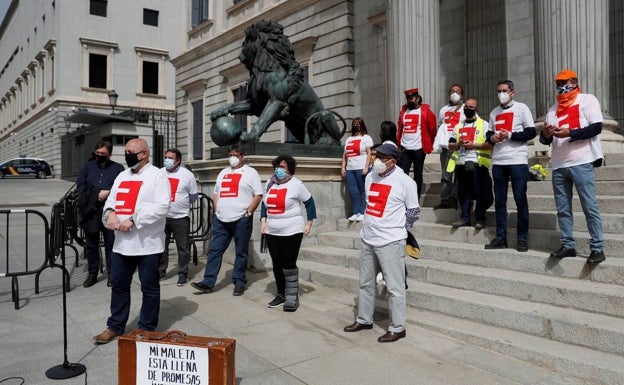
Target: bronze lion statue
{"x":277,"y":90}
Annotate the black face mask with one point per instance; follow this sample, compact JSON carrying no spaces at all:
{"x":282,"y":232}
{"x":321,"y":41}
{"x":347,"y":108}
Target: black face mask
{"x":469,"y":113}
{"x":412,"y":105}
{"x":132,"y":160}
{"x":102,"y":159}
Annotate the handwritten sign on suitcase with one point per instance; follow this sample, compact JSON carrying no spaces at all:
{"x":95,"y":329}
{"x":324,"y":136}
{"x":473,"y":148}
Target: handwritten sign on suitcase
{"x":172,"y":358}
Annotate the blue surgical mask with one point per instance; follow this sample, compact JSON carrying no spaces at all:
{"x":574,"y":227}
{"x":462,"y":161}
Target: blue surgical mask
{"x":169,"y":163}
{"x":280,"y":173}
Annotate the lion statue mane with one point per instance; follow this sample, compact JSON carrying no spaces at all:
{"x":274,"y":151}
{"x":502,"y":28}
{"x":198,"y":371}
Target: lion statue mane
{"x":277,"y":90}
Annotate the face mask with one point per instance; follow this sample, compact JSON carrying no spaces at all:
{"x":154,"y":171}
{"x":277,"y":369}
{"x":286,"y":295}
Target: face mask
{"x":455,"y":98}
{"x":379,"y":166}
{"x":132,"y":160}
{"x":469,"y":113}
{"x":169,"y":163}
{"x":565,"y":89}
{"x":102,"y":159}
{"x":355,"y":130}
{"x":411,"y":105}
{"x":280,"y":173}
{"x":504,"y":97}
{"x":234,"y":161}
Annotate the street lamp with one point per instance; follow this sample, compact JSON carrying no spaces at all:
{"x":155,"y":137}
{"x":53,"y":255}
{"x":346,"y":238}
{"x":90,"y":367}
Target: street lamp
{"x":112,"y":99}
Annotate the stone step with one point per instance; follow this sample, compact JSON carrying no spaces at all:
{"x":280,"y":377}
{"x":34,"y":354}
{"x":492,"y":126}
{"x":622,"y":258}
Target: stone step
{"x":583,"y":295}
{"x":592,"y":366}
{"x":595,"y":331}
{"x":604,"y":188}
{"x":607,"y":204}
{"x":542,"y":240}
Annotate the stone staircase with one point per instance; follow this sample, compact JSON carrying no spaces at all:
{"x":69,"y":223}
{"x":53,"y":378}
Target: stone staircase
{"x":560,"y":314}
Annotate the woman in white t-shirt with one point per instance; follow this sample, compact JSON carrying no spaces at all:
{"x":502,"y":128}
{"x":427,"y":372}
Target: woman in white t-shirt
{"x":283,"y":226}
{"x":355,"y":165}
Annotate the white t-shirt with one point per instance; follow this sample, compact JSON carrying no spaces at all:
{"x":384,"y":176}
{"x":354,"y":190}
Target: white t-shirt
{"x":387,"y":199}
{"x":234,"y":190}
{"x":183,"y":185}
{"x":411,"y":138}
{"x":584,"y":111}
{"x":283,"y":204}
{"x":467,"y":131}
{"x":448,"y":117}
{"x":355,"y":150}
{"x":513,"y":119}
{"x":145,"y":196}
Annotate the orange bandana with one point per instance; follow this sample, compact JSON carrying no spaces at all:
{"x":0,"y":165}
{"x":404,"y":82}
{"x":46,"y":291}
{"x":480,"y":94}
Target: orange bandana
{"x":565,"y":100}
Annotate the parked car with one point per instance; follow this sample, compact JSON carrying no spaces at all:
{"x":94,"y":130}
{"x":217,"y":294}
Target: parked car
{"x":25,"y":166}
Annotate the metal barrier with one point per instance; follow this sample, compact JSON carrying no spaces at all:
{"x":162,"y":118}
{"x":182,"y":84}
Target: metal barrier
{"x":201,"y":222}
{"x":25,"y":222}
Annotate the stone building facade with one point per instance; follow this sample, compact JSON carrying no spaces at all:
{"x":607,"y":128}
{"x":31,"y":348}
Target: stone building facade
{"x":59,"y":60}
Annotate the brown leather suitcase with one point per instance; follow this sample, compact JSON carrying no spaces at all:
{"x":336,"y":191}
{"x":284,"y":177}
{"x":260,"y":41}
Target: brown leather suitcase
{"x":172,"y":357}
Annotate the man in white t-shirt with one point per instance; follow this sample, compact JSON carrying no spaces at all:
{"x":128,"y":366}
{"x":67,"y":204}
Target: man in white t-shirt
{"x":392,"y":207}
{"x":572,"y":127}
{"x":136,"y":209}
{"x":511,"y":127}
{"x":449,"y":116}
{"x":237,"y":194}
{"x":183,"y":193}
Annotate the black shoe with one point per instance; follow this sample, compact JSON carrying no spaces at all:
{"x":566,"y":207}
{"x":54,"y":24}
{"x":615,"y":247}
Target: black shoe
{"x":109,"y":281}
{"x":181,"y":280}
{"x":480,"y":225}
{"x":595,"y":257}
{"x":356,"y":327}
{"x":391,"y":336}
{"x":238,"y":291}
{"x":162,"y":275}
{"x":202,"y":287}
{"x":563,"y":253}
{"x":442,"y":205}
{"x":523,"y":246}
{"x":277,"y":301}
{"x":90,"y":281}
{"x":497,"y":243}
{"x":460,"y":223}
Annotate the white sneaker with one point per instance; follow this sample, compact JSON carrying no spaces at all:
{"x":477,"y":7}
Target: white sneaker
{"x":359,"y":218}
{"x":353,"y":218}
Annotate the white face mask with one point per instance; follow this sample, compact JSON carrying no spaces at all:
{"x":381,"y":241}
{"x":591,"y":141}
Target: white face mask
{"x":504,"y":97}
{"x":234,"y":161}
{"x":455,"y":98}
{"x":379,"y":166}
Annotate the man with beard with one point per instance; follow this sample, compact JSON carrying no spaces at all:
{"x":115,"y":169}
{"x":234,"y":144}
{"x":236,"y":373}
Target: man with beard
{"x":93,"y":186}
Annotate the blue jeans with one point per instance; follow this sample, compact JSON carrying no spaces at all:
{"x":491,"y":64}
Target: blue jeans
{"x":583,"y":178}
{"x":355,"y":184}
{"x":122,"y":269}
{"x":519,"y":175}
{"x":222,"y":234}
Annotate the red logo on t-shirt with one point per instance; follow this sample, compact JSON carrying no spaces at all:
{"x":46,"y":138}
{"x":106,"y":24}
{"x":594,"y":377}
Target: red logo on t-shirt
{"x":353,"y":148}
{"x":377,"y":199}
{"x":127,"y":195}
{"x":451,"y":119}
{"x":570,"y":118}
{"x":410,"y":123}
{"x":174,"y":182}
{"x":467,"y":134}
{"x":504,"y":121}
{"x":276,"y":201}
{"x":229,"y":185}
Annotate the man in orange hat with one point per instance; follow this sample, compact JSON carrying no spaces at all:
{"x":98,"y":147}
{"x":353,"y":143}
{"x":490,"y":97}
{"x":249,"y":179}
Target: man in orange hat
{"x":572,"y":127}
{"x":417,"y":127}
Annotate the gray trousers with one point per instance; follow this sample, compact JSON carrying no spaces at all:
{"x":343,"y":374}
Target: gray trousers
{"x":178,"y":228}
{"x":390,"y":259}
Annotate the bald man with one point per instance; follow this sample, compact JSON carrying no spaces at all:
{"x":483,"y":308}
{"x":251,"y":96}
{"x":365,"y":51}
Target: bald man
{"x":136,"y":210}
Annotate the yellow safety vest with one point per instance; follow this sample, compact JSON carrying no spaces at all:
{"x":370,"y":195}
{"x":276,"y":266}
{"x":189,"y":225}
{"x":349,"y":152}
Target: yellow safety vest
{"x":483,"y":156}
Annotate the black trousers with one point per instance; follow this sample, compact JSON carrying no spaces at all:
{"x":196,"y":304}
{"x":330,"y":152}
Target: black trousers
{"x":417,"y":158}
{"x":284,"y":252}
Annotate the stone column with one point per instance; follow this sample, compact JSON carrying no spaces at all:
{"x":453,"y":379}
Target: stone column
{"x":413,"y":51}
{"x":574,"y":34}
